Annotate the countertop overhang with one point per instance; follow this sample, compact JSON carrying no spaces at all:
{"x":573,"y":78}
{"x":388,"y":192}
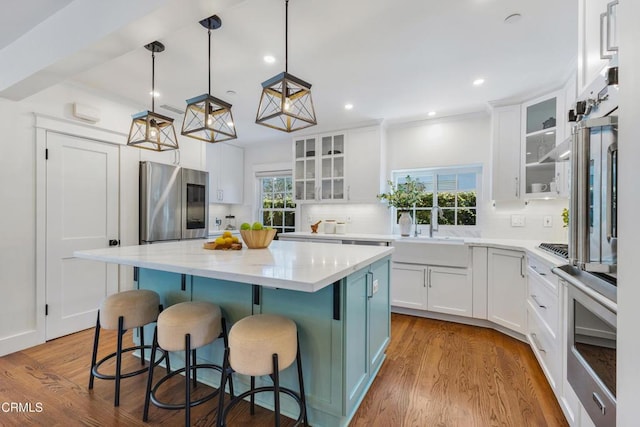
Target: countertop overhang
{"x":299,"y":266}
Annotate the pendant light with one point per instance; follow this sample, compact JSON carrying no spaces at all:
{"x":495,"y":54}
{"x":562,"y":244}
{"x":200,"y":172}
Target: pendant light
{"x":150,"y":130}
{"x":206,"y":117}
{"x":286,"y":102}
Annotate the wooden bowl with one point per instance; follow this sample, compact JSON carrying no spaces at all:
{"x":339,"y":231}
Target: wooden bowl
{"x":257,"y":239}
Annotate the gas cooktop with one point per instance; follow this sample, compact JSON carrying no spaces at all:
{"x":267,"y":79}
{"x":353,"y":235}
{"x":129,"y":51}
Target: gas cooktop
{"x":559,"y":249}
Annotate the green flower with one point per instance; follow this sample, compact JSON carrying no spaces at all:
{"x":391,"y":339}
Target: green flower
{"x":405,"y":195}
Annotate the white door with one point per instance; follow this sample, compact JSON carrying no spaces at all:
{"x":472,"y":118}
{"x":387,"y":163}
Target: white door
{"x":408,"y":286}
{"x":507,"y":289}
{"x":450,"y":290}
{"x":82,"y":213}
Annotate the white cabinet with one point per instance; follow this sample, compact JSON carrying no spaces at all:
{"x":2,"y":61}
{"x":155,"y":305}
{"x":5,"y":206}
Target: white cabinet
{"x":544,"y":320}
{"x":597,"y":39}
{"x":408,"y":287}
{"x":432,"y":288}
{"x":507,"y":287}
{"x":543,"y":123}
{"x":225,"y":164}
{"x":505,"y":168}
{"x":189,"y":155}
{"x":365,"y":170}
{"x":449,"y":290}
{"x":319,"y":168}
{"x":346,"y":166}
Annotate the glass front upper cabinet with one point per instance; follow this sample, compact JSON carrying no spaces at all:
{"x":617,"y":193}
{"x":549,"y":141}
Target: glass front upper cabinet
{"x":320,"y":168}
{"x":539,"y":139}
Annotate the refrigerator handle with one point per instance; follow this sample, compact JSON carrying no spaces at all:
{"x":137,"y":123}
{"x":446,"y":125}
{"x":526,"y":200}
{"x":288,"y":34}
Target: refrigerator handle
{"x":611,"y":212}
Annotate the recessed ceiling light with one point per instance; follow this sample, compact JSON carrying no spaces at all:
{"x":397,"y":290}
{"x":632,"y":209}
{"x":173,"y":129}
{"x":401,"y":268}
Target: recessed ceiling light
{"x":269,"y":59}
{"x":154,"y":93}
{"x":478,"y":82}
{"x":513,"y":18}
{"x":348,"y":106}
{"x":431,"y":113}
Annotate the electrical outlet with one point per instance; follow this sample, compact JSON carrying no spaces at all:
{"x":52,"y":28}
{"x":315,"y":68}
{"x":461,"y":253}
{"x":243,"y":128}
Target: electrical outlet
{"x":517,"y":220}
{"x":376,"y":286}
{"x":547,"y":221}
{"x":309,"y":219}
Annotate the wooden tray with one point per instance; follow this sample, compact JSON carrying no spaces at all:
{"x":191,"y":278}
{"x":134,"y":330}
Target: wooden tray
{"x":226,"y":247}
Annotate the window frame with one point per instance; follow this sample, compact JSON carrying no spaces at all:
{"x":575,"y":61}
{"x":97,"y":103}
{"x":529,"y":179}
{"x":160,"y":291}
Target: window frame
{"x":398,"y":174}
{"x":277,"y":174}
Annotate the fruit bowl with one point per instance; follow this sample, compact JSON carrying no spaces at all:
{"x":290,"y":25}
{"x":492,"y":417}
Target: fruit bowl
{"x":257,"y":239}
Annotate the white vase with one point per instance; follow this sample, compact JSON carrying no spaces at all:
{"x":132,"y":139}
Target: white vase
{"x":405,"y":223}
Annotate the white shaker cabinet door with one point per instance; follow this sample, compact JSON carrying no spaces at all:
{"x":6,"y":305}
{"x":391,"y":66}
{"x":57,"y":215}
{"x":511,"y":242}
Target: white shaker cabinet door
{"x":507,"y":289}
{"x":408,"y":286}
{"x":450,"y":290}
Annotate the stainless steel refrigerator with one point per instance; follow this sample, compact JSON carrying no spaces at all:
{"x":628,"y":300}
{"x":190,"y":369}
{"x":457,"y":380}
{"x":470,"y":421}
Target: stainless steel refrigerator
{"x":174,"y":203}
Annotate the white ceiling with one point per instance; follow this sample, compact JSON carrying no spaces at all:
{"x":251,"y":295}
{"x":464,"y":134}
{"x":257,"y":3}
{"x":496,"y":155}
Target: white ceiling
{"x":18,"y":17}
{"x":393,"y":60}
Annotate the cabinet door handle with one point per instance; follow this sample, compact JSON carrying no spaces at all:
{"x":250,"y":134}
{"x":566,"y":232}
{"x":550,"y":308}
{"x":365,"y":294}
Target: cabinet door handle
{"x":424,"y":278}
{"x":430,"y":277}
{"x":517,"y":188}
{"x":369,"y":284}
{"x":522,"y":266}
{"x":599,"y":402}
{"x":348,"y":192}
{"x":535,"y":299}
{"x":610,"y":6}
{"x":558,"y":183}
{"x":603,"y":54}
{"x":534,"y":338}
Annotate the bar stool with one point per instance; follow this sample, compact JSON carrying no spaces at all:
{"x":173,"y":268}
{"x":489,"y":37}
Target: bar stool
{"x":263,"y":344}
{"x":120,"y":312}
{"x":185,"y":327}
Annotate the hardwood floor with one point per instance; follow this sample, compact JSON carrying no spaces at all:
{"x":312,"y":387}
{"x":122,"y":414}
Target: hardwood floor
{"x":436,"y":374}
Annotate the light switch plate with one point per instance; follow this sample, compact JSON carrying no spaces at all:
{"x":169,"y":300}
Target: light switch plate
{"x":517,"y":220}
{"x":547,"y":221}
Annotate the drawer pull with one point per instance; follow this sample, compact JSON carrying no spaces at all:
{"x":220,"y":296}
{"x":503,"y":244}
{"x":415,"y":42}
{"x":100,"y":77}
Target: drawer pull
{"x":534,"y":338}
{"x":599,"y":402}
{"x":535,"y":299}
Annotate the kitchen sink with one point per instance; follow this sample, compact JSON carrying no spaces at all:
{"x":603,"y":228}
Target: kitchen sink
{"x":432,"y":250}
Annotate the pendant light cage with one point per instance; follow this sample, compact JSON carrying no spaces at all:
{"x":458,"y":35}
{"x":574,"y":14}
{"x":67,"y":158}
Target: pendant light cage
{"x":150,"y":130}
{"x":206,"y":117}
{"x":286,"y":103}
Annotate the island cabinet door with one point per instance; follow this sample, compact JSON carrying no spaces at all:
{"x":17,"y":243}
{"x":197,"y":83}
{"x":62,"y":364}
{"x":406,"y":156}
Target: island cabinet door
{"x":355,"y":330}
{"x":367,"y":327}
{"x":320,"y":332}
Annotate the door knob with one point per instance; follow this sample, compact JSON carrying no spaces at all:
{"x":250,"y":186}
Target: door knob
{"x":114,"y":242}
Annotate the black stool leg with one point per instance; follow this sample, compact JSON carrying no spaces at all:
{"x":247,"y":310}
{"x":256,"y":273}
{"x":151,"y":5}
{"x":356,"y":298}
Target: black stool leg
{"x":252,"y":409}
{"x":187,"y":380}
{"x":94,"y":356}
{"x":141,"y":332}
{"x":276,"y":390}
{"x":147,"y":395}
{"x":194,"y":364}
{"x":301,"y":383}
{"x":223,"y":380}
{"x":225,"y":339}
{"x":119,"y":360}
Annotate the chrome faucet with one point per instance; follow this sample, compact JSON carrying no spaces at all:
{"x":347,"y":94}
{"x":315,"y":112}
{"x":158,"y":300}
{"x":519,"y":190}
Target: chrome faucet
{"x":436,"y":212}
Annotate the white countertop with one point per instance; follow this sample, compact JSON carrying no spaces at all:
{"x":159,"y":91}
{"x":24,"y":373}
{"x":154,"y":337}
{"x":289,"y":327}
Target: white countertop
{"x":529,"y":246}
{"x":346,"y":236}
{"x":299,"y":266}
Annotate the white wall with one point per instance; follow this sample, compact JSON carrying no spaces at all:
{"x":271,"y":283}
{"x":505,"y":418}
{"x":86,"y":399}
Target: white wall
{"x":466,"y":140}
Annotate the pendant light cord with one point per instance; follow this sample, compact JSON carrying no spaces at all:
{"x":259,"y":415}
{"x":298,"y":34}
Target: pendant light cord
{"x":209,"y":33}
{"x":153,"y":81}
{"x":286,"y":36}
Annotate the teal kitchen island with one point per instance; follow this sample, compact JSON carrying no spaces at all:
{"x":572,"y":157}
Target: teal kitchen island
{"x":338,"y":295}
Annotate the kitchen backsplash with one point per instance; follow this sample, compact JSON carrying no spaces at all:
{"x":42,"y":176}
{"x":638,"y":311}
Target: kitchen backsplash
{"x":494,"y":221}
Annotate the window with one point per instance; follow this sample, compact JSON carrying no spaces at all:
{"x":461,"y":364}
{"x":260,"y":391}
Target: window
{"x":454,"y":190}
{"x":278,"y":210}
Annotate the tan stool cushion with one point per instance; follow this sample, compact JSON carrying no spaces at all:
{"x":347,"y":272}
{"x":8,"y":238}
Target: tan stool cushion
{"x":138,"y":307}
{"x":254,"y":339}
{"x":202,"y":320}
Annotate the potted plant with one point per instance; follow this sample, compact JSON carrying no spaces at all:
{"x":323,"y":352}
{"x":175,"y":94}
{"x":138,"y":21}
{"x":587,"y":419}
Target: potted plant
{"x":403,"y":197}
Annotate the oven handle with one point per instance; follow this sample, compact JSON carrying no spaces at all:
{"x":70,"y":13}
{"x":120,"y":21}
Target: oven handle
{"x":610,"y":211}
